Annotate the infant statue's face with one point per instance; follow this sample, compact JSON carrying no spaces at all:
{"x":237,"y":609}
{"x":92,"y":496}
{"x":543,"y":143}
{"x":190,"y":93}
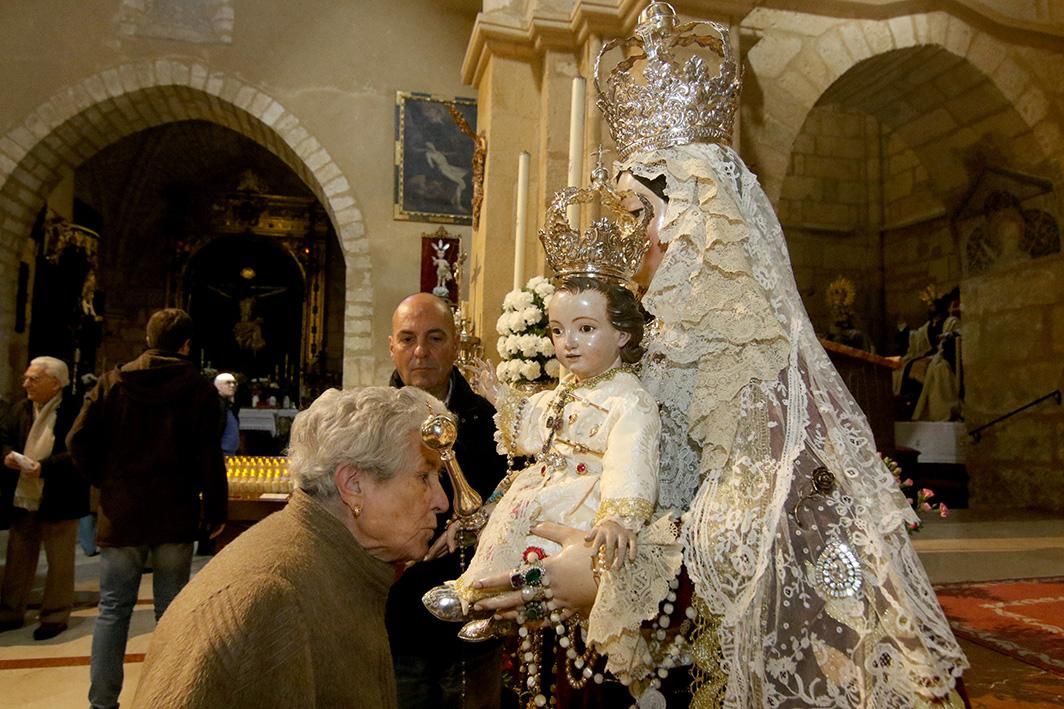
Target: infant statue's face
{"x":585,"y":342}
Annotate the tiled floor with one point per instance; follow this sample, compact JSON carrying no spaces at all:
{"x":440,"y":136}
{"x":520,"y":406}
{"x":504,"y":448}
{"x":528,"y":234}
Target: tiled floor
{"x":967,"y":547}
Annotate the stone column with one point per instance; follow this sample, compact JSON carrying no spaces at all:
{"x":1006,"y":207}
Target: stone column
{"x":508,"y":108}
{"x":522,"y":60}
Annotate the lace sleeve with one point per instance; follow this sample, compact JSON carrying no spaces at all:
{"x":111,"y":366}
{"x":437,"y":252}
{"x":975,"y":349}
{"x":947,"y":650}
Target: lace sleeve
{"x":630,"y":596}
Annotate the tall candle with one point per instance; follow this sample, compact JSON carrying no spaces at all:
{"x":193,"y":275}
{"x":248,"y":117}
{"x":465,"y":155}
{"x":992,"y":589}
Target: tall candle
{"x":522,"y":217}
{"x":576,"y":141}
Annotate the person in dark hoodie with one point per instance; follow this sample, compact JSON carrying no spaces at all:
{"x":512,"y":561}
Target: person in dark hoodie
{"x":147,"y":437}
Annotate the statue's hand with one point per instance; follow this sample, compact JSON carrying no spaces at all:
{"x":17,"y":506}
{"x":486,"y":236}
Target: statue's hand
{"x":571,"y":581}
{"x":616,"y":543}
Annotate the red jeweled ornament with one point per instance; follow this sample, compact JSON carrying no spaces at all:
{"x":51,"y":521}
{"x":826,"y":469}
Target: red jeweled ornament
{"x":534,"y":552}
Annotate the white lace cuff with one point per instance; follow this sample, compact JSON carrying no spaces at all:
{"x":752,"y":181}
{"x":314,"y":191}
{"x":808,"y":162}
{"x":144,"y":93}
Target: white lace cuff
{"x":630,"y":596}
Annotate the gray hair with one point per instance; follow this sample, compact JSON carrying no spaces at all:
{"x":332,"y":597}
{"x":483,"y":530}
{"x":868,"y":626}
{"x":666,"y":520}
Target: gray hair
{"x":53,"y":367}
{"x":370,"y":428}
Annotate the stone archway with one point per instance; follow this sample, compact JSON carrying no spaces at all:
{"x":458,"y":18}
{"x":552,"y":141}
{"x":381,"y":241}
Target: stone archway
{"x":802,"y":57}
{"x":85,"y":117}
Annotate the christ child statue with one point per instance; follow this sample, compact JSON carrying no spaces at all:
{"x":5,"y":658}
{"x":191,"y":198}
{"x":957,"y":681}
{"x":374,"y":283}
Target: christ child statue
{"x":593,"y":440}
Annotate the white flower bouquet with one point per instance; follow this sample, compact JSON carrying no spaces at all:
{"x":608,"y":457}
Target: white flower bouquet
{"x":524,"y":343}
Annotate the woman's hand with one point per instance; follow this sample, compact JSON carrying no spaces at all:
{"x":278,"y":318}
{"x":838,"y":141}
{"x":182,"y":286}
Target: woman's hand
{"x":616,"y":543}
{"x":447,"y":543}
{"x":444,"y":544}
{"x":571,"y":581}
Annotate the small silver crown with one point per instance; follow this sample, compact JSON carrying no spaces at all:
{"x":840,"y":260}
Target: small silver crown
{"x":652,"y":99}
{"x":608,"y":248}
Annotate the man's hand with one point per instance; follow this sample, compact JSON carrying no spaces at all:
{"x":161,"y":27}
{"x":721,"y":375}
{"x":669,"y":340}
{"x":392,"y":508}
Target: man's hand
{"x":11,"y":462}
{"x":34,"y":471}
{"x":616,"y":543}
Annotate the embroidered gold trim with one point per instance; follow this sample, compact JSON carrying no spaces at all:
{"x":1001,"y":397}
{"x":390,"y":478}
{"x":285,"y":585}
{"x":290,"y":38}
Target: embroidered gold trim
{"x":635,"y":507}
{"x":511,"y":411}
{"x":708,"y":678}
{"x":579,"y":447}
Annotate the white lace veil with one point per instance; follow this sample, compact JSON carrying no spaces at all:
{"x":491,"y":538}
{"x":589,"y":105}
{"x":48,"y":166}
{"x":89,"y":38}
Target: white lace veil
{"x":821,"y":599}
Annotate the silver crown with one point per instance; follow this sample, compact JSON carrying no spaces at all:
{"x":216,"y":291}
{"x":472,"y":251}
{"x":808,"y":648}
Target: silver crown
{"x":608,"y":248}
{"x":652,"y":99}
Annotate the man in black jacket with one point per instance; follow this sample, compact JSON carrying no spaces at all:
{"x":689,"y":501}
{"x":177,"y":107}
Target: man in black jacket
{"x":147,"y":437}
{"x":433,"y":668}
{"x":49,"y":497}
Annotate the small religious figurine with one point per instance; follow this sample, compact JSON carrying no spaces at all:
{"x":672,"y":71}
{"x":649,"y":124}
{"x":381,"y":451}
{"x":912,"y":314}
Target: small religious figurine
{"x":443,"y":269}
{"x":840,"y":296}
{"x":88,"y":333}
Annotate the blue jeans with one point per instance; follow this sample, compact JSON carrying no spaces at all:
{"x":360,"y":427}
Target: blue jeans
{"x":87,"y":535}
{"x":120,"y":572}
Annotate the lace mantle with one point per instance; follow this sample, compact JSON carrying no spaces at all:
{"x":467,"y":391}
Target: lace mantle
{"x":751,"y":407}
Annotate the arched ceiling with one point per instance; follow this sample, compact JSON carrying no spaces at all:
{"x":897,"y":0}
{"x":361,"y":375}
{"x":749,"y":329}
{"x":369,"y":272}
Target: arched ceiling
{"x":949,"y":113}
{"x":135,"y":182}
{"x":186,"y":155}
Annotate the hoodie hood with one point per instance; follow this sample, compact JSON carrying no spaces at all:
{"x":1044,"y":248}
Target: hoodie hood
{"x":158,"y":376}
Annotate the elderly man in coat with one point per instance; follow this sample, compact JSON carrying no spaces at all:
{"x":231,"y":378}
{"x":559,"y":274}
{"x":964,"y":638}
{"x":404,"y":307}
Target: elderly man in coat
{"x":49,"y":498}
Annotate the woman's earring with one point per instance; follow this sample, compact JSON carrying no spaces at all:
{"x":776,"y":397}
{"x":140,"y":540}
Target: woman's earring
{"x":357,"y":510}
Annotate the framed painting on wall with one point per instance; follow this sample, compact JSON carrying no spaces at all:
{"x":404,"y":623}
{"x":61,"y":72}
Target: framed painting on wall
{"x":433,"y":159}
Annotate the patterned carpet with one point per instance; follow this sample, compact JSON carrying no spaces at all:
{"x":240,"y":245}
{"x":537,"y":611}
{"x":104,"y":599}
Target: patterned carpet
{"x":1023,"y":618}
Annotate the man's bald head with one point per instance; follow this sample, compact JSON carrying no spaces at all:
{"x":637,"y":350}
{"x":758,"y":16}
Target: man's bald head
{"x":423,"y":343}
{"x":423,"y":304}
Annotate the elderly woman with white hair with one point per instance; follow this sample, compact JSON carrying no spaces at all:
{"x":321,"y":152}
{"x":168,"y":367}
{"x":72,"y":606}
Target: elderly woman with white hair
{"x":49,"y":497}
{"x":291,"y":614}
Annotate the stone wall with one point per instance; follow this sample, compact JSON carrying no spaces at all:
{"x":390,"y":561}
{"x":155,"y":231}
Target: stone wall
{"x":313,"y":82}
{"x":829,"y":208}
{"x":1014,"y":353}
{"x":915,"y":257}
{"x":909,"y":196}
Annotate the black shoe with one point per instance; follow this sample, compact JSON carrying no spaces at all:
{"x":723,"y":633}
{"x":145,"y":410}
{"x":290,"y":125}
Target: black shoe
{"x":47,"y":631}
{"x":7,"y":625}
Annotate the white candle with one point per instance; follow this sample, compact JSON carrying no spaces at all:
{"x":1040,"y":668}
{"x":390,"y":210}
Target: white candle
{"x":576,"y":141}
{"x":522,"y":217}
